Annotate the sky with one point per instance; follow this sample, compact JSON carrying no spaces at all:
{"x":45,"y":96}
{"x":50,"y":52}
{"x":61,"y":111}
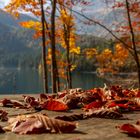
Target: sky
{"x":5,"y":1}
{"x":97,"y":7}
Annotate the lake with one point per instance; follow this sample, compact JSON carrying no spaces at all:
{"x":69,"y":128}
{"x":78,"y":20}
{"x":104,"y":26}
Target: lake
{"x":19,"y":81}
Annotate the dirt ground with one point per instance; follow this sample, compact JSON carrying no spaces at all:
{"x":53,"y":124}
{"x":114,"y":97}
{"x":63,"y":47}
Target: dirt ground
{"x":91,"y":129}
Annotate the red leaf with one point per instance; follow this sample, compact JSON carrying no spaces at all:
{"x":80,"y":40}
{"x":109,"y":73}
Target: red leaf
{"x":138,"y":94}
{"x":131,"y":129}
{"x":54,"y":105}
{"x":95,"y":104}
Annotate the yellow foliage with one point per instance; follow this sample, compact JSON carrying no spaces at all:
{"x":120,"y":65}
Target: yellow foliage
{"x":36,"y":25}
{"x":109,"y":59}
{"x":75,"y":50}
{"x":73,"y":67}
{"x":90,"y":52}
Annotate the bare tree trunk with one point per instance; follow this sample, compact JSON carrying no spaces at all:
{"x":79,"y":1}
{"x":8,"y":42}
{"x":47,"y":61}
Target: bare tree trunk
{"x":54,"y":70}
{"x":45,"y":74}
{"x":133,"y":41}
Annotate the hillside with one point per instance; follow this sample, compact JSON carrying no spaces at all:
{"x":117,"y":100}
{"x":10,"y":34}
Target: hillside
{"x":18,"y":48}
{"x":16,"y":42}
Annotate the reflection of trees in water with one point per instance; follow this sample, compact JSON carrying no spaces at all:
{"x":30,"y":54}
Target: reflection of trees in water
{"x":6,"y":76}
{"x":14,"y":83}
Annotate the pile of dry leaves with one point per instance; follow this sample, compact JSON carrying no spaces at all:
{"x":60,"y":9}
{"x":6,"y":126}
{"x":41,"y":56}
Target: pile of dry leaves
{"x":108,"y":102}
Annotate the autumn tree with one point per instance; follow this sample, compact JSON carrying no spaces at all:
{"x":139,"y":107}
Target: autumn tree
{"x":51,"y":30}
{"x":66,"y":35}
{"x":37,"y":8}
{"x":44,"y":48}
{"x":129,"y":30}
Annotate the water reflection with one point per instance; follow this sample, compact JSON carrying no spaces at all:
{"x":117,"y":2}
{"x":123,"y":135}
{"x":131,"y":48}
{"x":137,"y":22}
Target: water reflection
{"x":30,"y":81}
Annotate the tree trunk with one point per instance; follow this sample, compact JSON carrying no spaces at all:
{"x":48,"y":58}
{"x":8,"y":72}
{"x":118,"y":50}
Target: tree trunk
{"x":133,"y":41}
{"x":45,"y":75}
{"x":54,"y":71}
{"x":67,"y":42}
{"x":68,"y":61}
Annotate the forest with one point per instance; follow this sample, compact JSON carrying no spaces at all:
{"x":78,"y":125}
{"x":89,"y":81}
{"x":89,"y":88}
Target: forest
{"x":59,"y":38}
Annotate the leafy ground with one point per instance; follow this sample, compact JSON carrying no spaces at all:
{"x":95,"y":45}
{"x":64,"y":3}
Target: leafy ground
{"x":99,"y":121}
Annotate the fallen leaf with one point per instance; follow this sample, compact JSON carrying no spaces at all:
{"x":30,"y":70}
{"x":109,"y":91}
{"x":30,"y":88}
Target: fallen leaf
{"x":30,"y":126}
{"x":73,"y":117}
{"x":3,"y":115}
{"x":131,"y":129}
{"x":1,"y":130}
{"x":54,"y":105}
{"x":95,"y":104}
{"x":104,"y":113}
{"x":39,"y":123}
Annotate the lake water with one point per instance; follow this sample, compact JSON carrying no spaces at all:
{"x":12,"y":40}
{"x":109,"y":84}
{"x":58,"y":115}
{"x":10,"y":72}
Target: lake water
{"x":30,"y":81}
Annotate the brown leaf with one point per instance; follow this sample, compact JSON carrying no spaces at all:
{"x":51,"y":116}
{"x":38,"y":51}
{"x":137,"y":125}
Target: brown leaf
{"x":38,"y":123}
{"x":55,"y":125}
{"x":12,"y":103}
{"x":31,"y":102}
{"x":3,"y":115}
{"x":138,"y":122}
{"x":43,"y":97}
{"x":1,"y":130}
{"x":71,"y":100}
{"x":30,"y":126}
{"x":6,"y":103}
{"x":104,"y":113}
{"x":73,"y":117}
